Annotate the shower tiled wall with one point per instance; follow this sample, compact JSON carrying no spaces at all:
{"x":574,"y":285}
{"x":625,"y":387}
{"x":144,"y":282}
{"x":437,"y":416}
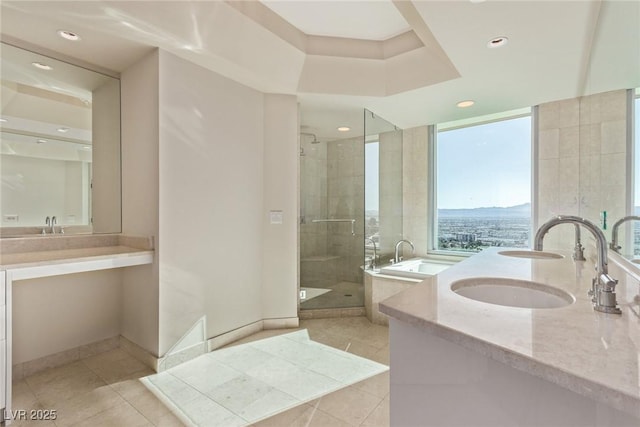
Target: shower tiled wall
{"x":317,"y":268}
{"x":345,"y":192}
{"x":415,"y":186}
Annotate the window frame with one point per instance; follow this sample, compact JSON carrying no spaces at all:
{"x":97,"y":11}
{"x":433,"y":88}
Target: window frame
{"x":432,"y":199}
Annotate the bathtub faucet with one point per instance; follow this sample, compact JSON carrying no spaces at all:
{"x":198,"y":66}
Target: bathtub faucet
{"x":398,"y":258}
{"x":614,"y":231}
{"x":602,"y":292}
{"x":372,"y":263}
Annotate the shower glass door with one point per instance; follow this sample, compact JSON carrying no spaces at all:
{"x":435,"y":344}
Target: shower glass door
{"x":331,"y":221}
{"x":350,"y":200}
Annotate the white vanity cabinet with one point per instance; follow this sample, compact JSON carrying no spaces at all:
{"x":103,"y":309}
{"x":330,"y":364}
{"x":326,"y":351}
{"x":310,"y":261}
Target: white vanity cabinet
{"x":459,"y":361}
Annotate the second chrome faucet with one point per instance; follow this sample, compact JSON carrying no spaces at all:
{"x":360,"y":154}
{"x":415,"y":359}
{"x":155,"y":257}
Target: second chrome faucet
{"x":614,"y":245}
{"x":602,"y":291}
{"x":51,"y":224}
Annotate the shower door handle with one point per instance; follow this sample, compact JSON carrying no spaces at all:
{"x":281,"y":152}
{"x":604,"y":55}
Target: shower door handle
{"x":352,"y":221}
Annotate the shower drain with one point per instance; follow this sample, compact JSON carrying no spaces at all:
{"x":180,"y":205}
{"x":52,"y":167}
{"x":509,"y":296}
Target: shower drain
{"x":348,"y":295}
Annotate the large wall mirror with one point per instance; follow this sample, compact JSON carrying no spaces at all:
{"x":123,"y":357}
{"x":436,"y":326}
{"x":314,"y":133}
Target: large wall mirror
{"x":60,"y":146}
{"x":607,"y":122}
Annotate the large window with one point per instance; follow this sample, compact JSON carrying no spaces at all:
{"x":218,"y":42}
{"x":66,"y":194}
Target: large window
{"x":482,"y":191}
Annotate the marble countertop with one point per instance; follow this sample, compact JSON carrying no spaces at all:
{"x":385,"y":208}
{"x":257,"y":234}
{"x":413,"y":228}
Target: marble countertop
{"x":63,"y":256}
{"x":37,"y":253}
{"x":594,"y":354}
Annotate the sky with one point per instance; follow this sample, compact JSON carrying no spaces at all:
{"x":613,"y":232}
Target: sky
{"x":472,"y":171}
{"x":485,"y":165}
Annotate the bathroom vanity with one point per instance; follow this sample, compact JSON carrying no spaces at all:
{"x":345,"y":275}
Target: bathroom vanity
{"x":456,"y":360}
{"x":36,"y":257}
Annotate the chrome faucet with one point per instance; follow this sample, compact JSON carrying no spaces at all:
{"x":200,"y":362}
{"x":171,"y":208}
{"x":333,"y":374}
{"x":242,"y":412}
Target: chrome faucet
{"x":398,"y":258}
{"x":53,"y":224}
{"x":602,"y":292}
{"x":578,"y":249}
{"x":372,"y":263}
{"x":614,"y":231}
{"x":47,"y":222}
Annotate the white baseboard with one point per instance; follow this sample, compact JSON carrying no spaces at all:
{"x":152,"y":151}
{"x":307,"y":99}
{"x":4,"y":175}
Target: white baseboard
{"x":252,"y":328}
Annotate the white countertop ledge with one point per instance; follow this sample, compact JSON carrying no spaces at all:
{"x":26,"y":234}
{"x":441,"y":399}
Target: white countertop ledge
{"x":31,"y":265}
{"x":594,"y":354}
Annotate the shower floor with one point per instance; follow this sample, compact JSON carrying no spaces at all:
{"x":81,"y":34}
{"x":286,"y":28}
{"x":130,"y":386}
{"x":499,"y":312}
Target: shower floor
{"x":341,"y":295}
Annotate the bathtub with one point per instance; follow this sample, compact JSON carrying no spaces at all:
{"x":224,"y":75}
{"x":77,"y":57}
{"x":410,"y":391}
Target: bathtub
{"x":389,"y":280}
{"x":416,"y":268}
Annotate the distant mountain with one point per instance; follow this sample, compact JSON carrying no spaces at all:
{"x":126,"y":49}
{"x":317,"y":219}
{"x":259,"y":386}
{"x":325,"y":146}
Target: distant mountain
{"x":518,"y":211}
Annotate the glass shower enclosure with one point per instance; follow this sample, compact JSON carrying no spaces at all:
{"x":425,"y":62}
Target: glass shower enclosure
{"x":347,"y":187}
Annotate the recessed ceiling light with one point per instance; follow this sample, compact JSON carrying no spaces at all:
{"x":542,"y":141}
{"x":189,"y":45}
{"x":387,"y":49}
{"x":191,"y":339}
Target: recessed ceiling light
{"x":86,"y":147}
{"x":497,"y":42}
{"x":69,"y":35}
{"x":344,"y":128}
{"x":63,"y":130}
{"x":477,"y":1}
{"x":465,"y":104}
{"x":41,"y":141}
{"x":3,"y":120}
{"x":42,"y":66}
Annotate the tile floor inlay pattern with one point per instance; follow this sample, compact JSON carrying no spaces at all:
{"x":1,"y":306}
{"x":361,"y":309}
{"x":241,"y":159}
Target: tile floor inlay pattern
{"x":240,"y":385}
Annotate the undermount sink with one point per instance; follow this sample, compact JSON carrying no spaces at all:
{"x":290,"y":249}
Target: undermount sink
{"x":531,"y":254}
{"x":512,"y":293}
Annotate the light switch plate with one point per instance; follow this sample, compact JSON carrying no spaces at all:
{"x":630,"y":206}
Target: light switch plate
{"x":275,"y":217}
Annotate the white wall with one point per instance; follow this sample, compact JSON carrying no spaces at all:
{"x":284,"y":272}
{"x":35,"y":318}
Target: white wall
{"x":140,"y":296}
{"x":280,"y":186}
{"x":62,"y":312}
{"x":211,"y":166}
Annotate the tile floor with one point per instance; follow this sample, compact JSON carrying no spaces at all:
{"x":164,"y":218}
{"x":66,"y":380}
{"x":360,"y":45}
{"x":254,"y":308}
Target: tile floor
{"x":343,"y":294}
{"x":246,"y":383}
{"x":105,"y":390}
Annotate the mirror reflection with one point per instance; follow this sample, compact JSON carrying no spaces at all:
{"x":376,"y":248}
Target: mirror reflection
{"x":604,"y":167}
{"x":60,"y":146}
